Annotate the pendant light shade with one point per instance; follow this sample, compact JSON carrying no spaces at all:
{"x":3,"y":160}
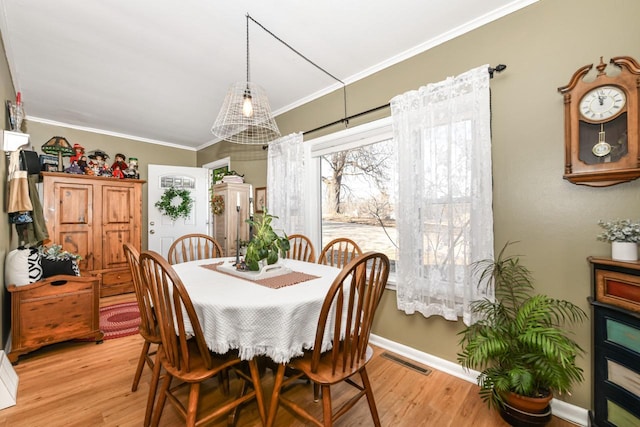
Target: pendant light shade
{"x":245,"y":116}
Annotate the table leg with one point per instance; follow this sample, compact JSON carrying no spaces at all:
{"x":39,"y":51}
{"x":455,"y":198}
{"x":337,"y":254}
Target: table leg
{"x":275,"y":396}
{"x":257,"y":384}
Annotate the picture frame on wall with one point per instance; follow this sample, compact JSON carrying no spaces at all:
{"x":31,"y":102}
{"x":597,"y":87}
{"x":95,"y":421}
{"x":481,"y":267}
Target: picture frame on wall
{"x":260,"y":198}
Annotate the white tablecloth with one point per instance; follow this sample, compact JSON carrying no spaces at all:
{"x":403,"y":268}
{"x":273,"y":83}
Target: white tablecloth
{"x":238,"y":314}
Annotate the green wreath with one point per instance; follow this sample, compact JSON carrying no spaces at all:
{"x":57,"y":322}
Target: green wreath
{"x":166,"y":207}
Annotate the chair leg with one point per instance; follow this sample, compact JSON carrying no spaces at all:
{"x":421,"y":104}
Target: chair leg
{"x":223,"y":379}
{"x":162,"y":398}
{"x":232,"y":418}
{"x":369,"y":392}
{"x":192,"y":405}
{"x":275,"y":396}
{"x":326,"y":406}
{"x":316,"y":392}
{"x":141,"y":362}
{"x":153,"y":388}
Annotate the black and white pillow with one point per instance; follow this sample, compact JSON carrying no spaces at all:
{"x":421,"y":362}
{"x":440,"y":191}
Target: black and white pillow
{"x":22,"y":266}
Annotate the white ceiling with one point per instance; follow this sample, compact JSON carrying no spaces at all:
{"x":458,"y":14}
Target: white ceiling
{"x":158,"y":70}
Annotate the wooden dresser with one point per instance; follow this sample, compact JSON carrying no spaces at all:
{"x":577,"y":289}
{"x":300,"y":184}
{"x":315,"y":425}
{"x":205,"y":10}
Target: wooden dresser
{"x":616,"y":342}
{"x":93,"y":216}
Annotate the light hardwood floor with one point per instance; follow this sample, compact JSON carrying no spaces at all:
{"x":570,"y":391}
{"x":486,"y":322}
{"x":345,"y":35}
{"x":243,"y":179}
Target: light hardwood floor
{"x":84,"y":384}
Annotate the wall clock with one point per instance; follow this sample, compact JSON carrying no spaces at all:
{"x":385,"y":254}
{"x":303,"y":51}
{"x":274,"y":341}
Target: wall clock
{"x":601,"y":117}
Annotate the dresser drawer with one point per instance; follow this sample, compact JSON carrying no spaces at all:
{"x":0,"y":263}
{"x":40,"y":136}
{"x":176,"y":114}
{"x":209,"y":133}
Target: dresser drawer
{"x":617,"y":288}
{"x":115,"y":281}
{"x":116,"y":277}
{"x":616,"y":329}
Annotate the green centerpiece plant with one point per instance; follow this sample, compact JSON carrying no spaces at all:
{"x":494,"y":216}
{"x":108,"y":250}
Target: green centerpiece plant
{"x":265,"y":243}
{"x":520,"y":344}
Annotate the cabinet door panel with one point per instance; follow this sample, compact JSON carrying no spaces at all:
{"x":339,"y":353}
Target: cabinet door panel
{"x":112,"y":253}
{"x":117,"y":205}
{"x":75,"y":202}
{"x":117,"y":214}
{"x":72,"y":225}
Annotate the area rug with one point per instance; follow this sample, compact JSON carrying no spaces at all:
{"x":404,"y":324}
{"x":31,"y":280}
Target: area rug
{"x":119,"y":320}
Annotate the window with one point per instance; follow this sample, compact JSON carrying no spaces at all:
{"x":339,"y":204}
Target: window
{"x":353,"y":175}
{"x":358,"y":193}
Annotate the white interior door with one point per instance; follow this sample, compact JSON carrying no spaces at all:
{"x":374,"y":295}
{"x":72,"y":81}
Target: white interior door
{"x":162,"y":230}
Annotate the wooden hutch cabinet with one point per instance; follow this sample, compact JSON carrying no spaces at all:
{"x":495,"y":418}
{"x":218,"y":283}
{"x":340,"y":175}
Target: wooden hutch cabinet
{"x":616,"y":342}
{"x":225,"y":225}
{"x":93,"y":216}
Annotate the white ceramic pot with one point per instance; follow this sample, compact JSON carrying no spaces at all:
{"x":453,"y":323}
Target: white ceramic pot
{"x":624,"y":251}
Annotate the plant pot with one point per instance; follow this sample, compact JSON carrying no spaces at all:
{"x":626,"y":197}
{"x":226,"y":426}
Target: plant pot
{"x":624,"y":251}
{"x":519,"y":418}
{"x":534,"y":405}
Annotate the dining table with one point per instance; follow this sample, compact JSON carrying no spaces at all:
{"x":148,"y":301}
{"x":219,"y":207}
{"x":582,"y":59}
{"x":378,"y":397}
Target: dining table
{"x":275,"y":317}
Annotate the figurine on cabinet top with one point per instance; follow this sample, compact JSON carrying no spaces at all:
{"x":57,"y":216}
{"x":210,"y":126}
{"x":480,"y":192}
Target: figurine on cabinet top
{"x":84,"y":165}
{"x":132,"y":171}
{"x":98,"y":163}
{"x":119,"y":166}
{"x":74,"y":165}
{"x":79,"y":152}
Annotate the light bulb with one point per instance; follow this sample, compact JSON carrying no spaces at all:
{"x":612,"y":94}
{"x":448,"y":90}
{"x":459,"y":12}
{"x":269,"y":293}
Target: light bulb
{"x":247,"y":106}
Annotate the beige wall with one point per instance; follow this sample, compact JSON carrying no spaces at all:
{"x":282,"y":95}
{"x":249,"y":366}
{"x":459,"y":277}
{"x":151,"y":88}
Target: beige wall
{"x":6,"y":92}
{"x":554,"y":220}
{"x":247,"y":160}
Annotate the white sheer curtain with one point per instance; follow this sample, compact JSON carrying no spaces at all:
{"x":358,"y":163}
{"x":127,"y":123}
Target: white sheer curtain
{"x":444,"y":207}
{"x":286,"y":183}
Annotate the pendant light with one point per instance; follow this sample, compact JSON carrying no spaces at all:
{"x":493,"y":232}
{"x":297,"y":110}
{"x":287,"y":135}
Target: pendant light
{"x":245,"y":116}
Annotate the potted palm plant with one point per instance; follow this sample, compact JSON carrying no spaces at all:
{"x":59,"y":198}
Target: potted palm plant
{"x":520,"y":344}
{"x":265,"y":245}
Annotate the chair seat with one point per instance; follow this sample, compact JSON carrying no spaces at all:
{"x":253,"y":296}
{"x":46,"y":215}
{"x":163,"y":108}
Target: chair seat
{"x":324,"y":374}
{"x":197,"y":371}
{"x":153,"y":337}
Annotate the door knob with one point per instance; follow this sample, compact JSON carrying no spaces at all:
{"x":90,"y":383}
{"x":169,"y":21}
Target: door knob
{"x":152,"y":232}
{"x":152,"y":223}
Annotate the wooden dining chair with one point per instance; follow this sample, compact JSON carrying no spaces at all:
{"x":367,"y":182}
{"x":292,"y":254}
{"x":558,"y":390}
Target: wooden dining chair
{"x":301,"y":248}
{"x":339,"y":252}
{"x":148,"y":326}
{"x":346,"y":316}
{"x":191,"y":247}
{"x":185,"y":356}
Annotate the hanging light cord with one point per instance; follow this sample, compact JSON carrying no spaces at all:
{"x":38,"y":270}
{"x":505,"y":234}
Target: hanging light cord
{"x":344,"y":86}
{"x":248,"y":76}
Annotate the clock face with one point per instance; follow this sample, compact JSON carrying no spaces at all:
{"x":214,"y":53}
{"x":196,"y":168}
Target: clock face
{"x":602,"y":103}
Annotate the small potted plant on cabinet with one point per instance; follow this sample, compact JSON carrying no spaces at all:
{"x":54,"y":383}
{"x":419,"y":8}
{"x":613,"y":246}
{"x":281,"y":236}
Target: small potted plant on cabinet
{"x":520,"y":345}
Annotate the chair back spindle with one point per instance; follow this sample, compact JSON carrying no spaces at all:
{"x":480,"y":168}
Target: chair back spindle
{"x":301,"y":248}
{"x":191,"y":247}
{"x":339,"y":252}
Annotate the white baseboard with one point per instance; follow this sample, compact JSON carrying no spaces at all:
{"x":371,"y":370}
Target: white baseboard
{"x":564,"y":410}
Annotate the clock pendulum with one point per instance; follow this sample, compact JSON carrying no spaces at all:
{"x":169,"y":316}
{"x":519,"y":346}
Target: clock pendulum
{"x":602,"y":147}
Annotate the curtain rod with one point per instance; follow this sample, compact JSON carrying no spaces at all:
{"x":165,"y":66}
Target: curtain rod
{"x":497,"y":69}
